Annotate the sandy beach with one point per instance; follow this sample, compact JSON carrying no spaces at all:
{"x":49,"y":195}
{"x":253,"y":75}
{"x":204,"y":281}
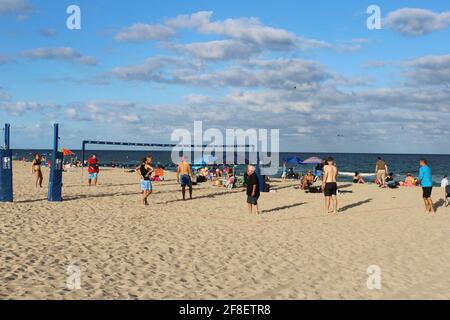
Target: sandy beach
{"x":211,"y":248}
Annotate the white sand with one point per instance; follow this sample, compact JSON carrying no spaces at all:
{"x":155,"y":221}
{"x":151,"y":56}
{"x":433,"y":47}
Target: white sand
{"x":211,"y":248}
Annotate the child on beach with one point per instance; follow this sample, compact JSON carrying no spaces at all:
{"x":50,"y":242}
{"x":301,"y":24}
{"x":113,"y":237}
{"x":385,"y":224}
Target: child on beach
{"x":145,"y":172}
{"x":93,"y":170}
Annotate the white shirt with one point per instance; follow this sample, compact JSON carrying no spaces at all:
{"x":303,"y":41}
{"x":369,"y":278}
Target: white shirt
{"x":444,"y":183}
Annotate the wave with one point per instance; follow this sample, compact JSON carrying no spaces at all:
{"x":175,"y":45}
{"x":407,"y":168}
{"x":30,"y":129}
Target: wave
{"x":350,"y":174}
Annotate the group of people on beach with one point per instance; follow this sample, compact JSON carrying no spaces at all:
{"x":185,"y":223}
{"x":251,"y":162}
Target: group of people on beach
{"x":325,"y":179}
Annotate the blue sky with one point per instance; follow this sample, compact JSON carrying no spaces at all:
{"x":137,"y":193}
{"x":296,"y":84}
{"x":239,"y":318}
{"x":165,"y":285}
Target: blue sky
{"x":137,"y":70}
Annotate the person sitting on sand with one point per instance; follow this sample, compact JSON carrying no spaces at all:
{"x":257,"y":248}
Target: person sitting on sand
{"x":308,"y":180}
{"x":36,"y":169}
{"x":253,"y":191}
{"x":357,"y":178}
{"x":184,"y":177}
{"x":409,"y":181}
{"x":390,"y":180}
{"x":145,"y":171}
{"x":230,"y":182}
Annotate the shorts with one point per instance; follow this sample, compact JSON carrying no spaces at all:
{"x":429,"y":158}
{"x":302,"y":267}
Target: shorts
{"x":93,"y":176}
{"x":252,"y":200}
{"x":330,"y":189}
{"x":427,"y":192}
{"x":381,"y":176}
{"x":185,"y":180}
{"x":146,"y":185}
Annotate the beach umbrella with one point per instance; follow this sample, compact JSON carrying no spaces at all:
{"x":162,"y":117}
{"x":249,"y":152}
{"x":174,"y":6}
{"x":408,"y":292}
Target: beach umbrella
{"x":67,"y":152}
{"x":293,"y":160}
{"x":313,"y":160}
{"x":205,"y":160}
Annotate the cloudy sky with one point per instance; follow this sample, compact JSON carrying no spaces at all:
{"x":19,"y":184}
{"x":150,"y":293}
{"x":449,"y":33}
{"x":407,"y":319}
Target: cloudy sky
{"x":137,"y":70}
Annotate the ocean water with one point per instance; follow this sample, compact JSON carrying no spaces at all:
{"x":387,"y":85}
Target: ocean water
{"x":348,"y":163}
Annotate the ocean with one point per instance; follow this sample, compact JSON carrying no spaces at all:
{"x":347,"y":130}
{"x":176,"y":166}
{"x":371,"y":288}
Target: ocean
{"x":348,"y":163}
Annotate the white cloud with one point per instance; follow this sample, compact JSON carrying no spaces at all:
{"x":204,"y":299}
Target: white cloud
{"x":277,"y":73}
{"x":417,"y":22}
{"x":218,"y":50}
{"x":66,"y":53}
{"x":8,"y":7}
{"x":244,"y":34}
{"x":431,"y":70}
{"x":143,"y":32}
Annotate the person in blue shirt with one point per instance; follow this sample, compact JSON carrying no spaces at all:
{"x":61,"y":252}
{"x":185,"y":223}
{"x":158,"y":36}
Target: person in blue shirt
{"x":426,"y":181}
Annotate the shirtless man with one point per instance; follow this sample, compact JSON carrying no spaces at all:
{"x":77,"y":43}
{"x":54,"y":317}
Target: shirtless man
{"x":330,"y":173}
{"x":308,"y":180}
{"x":184,"y":174}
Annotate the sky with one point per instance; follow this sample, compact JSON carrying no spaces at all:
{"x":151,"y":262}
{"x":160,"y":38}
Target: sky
{"x":138,"y":70}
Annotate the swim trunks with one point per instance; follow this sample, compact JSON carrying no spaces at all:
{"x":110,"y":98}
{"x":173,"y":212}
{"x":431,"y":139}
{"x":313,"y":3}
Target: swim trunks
{"x":93,"y":176}
{"x":252,"y":200}
{"x":185,"y":180}
{"x":330,"y":189}
{"x":427,"y":192}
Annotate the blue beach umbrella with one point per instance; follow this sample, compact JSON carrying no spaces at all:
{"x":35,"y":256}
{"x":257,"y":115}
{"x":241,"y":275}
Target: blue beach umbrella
{"x":293,"y":161}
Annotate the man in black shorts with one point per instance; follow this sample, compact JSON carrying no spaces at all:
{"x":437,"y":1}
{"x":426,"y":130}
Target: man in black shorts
{"x":330,"y":173}
{"x":253,"y":191}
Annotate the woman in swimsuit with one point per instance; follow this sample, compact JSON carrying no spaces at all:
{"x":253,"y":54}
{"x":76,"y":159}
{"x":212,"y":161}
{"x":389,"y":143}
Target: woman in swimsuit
{"x":358,"y":179}
{"x":36,"y":169}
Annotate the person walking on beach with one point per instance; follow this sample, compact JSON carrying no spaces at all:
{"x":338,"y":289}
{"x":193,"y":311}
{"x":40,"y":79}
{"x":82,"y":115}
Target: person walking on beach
{"x":426,"y":181}
{"x":253,"y":191}
{"x":145,"y":171}
{"x":381,"y":170}
{"x":93,"y":170}
{"x":36,"y":170}
{"x":330,"y":173}
{"x":184,"y":177}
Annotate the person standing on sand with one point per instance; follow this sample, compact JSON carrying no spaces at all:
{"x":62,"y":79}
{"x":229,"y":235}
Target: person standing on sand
{"x":253,"y":191}
{"x":145,"y":172}
{"x":36,"y":169}
{"x":284,"y":174}
{"x":426,"y":181}
{"x":184,"y":177}
{"x":381,"y":170}
{"x":444,"y":185}
{"x":330,"y":173}
{"x":93,"y":170}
